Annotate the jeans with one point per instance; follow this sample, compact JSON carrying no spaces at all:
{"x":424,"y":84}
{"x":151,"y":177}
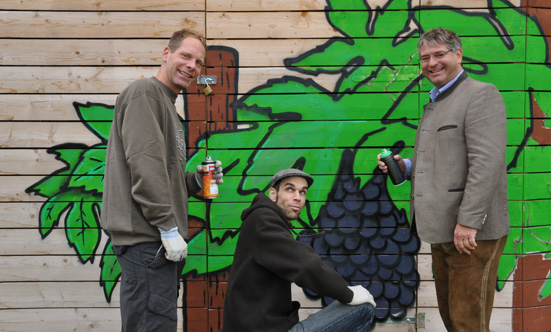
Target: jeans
{"x":338,"y":317}
{"x":148,"y":288}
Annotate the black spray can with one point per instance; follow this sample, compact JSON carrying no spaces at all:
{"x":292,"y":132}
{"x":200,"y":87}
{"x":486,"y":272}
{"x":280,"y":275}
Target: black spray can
{"x":396,"y":175}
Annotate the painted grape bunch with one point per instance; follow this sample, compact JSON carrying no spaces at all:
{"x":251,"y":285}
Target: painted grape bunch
{"x":364,"y":237}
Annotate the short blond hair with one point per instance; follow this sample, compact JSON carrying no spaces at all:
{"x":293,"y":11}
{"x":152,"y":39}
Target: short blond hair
{"x":180,"y":35}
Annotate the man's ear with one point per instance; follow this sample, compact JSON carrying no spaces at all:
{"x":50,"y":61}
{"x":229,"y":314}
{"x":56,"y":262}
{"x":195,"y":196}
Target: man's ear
{"x":273,"y":194}
{"x":166,"y":52}
{"x":459,"y":55}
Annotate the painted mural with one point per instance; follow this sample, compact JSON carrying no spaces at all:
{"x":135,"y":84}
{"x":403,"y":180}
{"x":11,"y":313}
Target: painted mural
{"x":354,"y":217}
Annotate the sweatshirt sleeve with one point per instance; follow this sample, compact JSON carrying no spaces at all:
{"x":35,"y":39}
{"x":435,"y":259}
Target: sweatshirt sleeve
{"x":144,"y":147}
{"x":279,"y":252}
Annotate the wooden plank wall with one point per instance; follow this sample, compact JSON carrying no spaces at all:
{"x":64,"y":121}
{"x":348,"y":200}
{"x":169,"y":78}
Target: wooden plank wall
{"x":289,"y":93}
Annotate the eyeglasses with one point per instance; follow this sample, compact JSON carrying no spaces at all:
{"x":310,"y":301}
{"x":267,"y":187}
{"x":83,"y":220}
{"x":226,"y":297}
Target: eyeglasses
{"x":436,"y":56}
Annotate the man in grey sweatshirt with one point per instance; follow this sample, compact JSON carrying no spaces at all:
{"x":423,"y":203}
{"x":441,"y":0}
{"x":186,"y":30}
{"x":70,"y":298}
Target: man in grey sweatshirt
{"x":146,"y":187}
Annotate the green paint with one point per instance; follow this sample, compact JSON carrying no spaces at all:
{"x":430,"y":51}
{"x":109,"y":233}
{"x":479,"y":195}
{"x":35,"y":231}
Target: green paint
{"x":537,"y":186}
{"x":536,"y":213}
{"x":538,"y":239}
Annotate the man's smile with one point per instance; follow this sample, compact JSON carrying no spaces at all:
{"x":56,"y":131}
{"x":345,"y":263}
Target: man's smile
{"x":436,"y":71}
{"x":184,"y":74}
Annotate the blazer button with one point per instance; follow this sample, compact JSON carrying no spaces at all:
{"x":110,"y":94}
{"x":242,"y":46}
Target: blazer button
{"x":412,"y":197}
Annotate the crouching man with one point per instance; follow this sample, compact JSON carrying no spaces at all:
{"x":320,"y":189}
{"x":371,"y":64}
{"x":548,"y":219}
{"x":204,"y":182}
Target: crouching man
{"x":268,"y":260}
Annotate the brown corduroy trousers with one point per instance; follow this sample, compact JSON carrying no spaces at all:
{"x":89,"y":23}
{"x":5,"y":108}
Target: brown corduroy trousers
{"x":466,"y":284}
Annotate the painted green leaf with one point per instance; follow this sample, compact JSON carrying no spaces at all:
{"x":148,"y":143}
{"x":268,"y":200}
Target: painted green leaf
{"x":88,"y":174}
{"x":69,"y":154}
{"x":83,"y":230}
{"x":110,"y":271}
{"x":50,"y":213}
{"x":52,"y":209}
{"x":97,"y":117}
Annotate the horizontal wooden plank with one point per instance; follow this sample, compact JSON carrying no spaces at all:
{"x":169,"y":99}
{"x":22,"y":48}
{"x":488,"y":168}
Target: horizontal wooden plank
{"x":48,"y":24}
{"x":269,"y":25}
{"x":25,"y":215}
{"x":112,"y":80}
{"x":538,"y":3}
{"x":426,"y":295}
{"x":346,"y":134}
{"x":223,"y":215}
{"x":40,"y":107}
{"x":81,"y":80}
{"x":141,"y":52}
{"x":288,"y":5}
{"x":260,"y":5}
{"x":66,"y":292}
{"x":359,"y":106}
{"x":469,"y":3}
{"x":252,"y":52}
{"x":314,"y":24}
{"x":541,"y":11}
{"x":343,"y":134}
{"x":40,"y":162}
{"x":29,"y":242}
{"x":64,"y":319}
{"x":102,"y":5}
{"x":108,"y":319}
{"x":12,"y":188}
{"x":28,"y":270}
{"x":501,"y":320}
{"x":46,"y":134}
{"x":57,"y":107}
{"x":19,"y":215}
{"x":475,"y":22}
{"x":28,"y":161}
{"x":81,"y":52}
{"x":424,"y":264}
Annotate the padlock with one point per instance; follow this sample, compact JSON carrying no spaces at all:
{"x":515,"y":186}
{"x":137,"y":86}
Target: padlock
{"x":207,"y":90}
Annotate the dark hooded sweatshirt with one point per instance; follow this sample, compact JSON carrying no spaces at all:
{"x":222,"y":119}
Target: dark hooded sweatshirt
{"x":267,"y":260}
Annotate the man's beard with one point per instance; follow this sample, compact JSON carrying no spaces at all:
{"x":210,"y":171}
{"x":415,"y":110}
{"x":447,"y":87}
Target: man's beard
{"x":289,"y":213}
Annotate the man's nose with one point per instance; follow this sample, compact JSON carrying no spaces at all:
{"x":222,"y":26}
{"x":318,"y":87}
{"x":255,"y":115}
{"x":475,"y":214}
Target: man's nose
{"x":432,"y":61}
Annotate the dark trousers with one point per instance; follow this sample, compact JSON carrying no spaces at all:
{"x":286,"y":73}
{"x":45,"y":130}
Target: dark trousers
{"x":466,"y":284}
{"x":148,"y":288}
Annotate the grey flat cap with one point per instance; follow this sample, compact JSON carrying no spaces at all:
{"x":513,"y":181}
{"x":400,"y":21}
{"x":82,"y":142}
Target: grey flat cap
{"x":287,"y":173}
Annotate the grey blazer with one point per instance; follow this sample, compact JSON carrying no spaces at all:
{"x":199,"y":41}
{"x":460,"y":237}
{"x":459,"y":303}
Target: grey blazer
{"x":459,"y":170}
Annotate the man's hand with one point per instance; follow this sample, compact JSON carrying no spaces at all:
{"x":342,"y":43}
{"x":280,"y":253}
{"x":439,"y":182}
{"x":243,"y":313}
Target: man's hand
{"x":175,"y":246}
{"x":464,"y":239}
{"x":399,"y":160}
{"x":216,"y":173}
{"x":361,"y":295}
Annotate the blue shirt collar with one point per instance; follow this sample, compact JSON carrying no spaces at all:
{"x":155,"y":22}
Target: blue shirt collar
{"x":435,"y":91}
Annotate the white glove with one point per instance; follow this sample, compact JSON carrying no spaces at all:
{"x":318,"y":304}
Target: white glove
{"x":361,"y":295}
{"x":216,"y":173}
{"x":175,"y":246}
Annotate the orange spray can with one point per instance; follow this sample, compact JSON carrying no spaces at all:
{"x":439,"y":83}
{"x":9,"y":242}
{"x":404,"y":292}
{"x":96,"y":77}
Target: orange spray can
{"x":210,"y":187}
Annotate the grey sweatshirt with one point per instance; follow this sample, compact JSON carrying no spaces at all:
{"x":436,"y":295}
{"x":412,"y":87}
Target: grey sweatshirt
{"x":145,"y":185}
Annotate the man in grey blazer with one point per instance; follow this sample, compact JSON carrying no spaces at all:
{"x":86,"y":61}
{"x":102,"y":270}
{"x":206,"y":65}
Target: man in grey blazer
{"x":458,"y":176}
